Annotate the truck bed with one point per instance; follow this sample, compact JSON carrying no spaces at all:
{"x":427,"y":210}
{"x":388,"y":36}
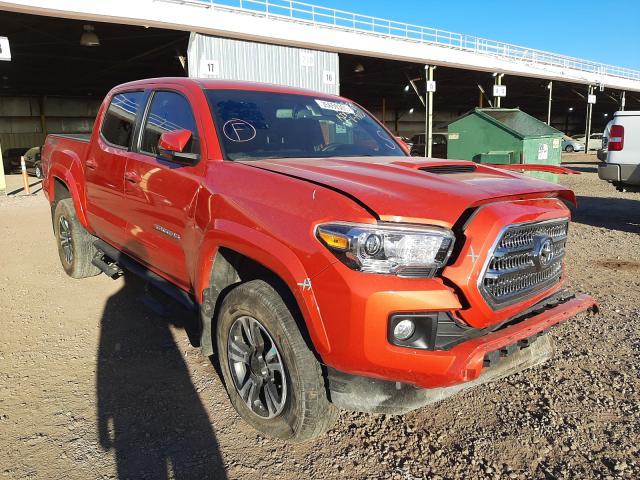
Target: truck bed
{"x":82,"y":137}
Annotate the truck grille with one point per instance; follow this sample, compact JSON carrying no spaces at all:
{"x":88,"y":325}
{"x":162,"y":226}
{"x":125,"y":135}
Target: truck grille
{"x":526,"y":259}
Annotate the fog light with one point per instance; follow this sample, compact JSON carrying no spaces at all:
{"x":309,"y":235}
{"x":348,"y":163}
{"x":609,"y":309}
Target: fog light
{"x":404,"y":329}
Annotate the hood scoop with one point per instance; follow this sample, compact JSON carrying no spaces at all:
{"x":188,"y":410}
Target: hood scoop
{"x":448,"y":169}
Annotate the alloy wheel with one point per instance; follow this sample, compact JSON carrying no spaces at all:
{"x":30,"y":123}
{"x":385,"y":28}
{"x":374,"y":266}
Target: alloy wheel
{"x":256,"y":367}
{"x":65,"y":239}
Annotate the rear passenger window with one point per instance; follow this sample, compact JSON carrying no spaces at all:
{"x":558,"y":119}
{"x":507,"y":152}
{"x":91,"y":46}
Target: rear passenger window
{"x":169,"y":111}
{"x":120,"y":118}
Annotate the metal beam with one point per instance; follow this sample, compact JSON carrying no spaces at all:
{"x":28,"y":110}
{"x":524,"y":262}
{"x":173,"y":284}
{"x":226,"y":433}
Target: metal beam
{"x":484,"y":95}
{"x":415,"y":89}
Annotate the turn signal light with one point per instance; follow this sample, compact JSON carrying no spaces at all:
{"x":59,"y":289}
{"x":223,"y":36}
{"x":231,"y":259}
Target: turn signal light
{"x":332,"y":240}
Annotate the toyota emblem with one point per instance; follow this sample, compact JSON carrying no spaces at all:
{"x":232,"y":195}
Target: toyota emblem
{"x":542,"y":251}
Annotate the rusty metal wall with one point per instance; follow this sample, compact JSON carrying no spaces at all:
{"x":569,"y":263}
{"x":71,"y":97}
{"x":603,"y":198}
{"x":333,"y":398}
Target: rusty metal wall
{"x":21,"y":120}
{"x":224,"y":58}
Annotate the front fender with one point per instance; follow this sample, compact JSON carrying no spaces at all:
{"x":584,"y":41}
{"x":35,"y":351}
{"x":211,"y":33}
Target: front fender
{"x":272,"y":254}
{"x":65,"y":166}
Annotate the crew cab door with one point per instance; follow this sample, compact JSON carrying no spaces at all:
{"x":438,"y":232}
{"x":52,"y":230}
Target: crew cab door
{"x":160,"y":193}
{"x":105,"y":165}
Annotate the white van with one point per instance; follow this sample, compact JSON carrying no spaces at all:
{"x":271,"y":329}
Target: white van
{"x":621,"y":163}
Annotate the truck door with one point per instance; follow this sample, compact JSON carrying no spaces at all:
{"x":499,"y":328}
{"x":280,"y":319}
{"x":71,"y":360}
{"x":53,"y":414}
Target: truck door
{"x":105,"y":165}
{"x":160,"y":193}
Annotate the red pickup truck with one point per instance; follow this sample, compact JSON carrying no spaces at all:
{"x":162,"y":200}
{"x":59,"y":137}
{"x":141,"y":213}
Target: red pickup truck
{"x":328,"y":267}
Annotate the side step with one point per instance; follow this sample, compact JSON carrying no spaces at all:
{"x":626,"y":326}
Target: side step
{"x":121,"y":261}
{"x":109,"y":268}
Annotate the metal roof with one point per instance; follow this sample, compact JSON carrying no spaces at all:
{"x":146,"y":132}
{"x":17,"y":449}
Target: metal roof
{"x":516,"y":121}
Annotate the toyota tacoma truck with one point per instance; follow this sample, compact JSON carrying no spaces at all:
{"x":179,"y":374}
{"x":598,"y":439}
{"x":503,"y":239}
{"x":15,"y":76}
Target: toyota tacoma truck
{"x":328,"y":268}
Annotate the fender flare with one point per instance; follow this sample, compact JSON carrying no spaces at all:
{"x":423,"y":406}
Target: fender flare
{"x":65,"y":166}
{"x":272,"y":255}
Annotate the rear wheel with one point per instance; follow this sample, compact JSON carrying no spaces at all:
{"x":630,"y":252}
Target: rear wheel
{"x":273,"y":380}
{"x":75,"y":244}
{"x":568,"y":148}
{"x":38,"y":171}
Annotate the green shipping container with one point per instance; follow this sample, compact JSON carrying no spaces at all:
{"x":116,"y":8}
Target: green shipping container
{"x":505,"y":135}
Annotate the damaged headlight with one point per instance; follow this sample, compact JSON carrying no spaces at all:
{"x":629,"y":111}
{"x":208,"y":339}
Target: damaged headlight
{"x":404,"y":250}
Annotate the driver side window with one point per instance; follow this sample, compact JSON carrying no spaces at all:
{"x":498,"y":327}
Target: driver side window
{"x":169,"y":111}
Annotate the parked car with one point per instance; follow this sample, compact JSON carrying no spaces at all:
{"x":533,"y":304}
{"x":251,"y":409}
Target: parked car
{"x":328,"y":267}
{"x":438,"y":148}
{"x":33,"y":162}
{"x":11,"y":159}
{"x":571,"y":145}
{"x":621,"y":152}
{"x":595,"y":140}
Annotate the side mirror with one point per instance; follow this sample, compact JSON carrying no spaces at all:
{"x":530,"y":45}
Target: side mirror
{"x":172,"y":144}
{"x":403,"y":144}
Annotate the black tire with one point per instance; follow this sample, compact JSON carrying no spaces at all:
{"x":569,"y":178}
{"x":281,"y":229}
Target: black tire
{"x":76,"y":260}
{"x":38,"y":171}
{"x":568,"y":148}
{"x":306,"y":412}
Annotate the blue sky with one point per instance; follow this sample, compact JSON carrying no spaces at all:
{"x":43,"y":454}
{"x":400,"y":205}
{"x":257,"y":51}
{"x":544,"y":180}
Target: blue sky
{"x":606,"y":31}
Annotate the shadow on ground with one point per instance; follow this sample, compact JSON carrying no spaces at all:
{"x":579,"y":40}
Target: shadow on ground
{"x":149,"y":412}
{"x":621,"y":214}
{"x":582,"y":167}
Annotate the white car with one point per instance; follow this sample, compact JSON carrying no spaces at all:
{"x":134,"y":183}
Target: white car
{"x":595,"y":140}
{"x":621,"y":162}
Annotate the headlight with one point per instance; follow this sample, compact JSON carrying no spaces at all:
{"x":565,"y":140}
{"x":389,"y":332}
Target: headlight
{"x":404,"y":250}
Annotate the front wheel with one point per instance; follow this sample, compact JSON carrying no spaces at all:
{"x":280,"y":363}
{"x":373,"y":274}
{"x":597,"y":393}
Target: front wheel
{"x":273,"y":380}
{"x":38,"y":171}
{"x":568,"y":148}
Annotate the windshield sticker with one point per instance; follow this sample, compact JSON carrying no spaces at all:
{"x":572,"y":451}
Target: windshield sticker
{"x":385,"y":138}
{"x":238,"y":130}
{"x":335,"y":106}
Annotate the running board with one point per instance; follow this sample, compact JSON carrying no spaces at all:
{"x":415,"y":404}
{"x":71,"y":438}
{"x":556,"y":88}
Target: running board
{"x":122,"y":261}
{"x":109,"y":268}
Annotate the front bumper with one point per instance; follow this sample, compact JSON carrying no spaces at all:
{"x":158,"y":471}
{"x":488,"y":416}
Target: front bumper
{"x":362,"y":394}
{"x":620,"y":173}
{"x":359,"y":337}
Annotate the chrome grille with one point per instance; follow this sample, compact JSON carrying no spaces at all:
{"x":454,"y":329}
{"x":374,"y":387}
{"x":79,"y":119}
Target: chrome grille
{"x":518,"y":267}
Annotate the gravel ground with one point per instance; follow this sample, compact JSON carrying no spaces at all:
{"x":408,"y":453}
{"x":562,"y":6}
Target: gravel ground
{"x":94,"y":384}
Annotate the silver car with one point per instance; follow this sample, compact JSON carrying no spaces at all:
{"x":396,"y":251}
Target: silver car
{"x":570,"y":145}
{"x":595,"y":140}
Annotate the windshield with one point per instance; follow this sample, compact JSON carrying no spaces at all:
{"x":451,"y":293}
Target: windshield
{"x":256,"y":125}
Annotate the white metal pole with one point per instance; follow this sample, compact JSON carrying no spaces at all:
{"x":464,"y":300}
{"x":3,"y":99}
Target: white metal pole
{"x":429,"y":110}
{"x":550,"y":86}
{"x":589,"y":113}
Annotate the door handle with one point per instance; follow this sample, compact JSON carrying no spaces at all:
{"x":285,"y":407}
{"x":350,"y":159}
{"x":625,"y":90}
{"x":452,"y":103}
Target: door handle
{"x":91,"y":163}
{"x":132,"y":177}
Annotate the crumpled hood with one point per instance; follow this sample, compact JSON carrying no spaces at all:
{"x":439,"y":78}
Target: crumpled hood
{"x":396,"y":189}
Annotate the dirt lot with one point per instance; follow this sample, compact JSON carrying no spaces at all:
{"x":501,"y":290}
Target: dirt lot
{"x":94,"y":384}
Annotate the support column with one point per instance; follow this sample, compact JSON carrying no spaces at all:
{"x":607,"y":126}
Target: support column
{"x":428,"y":151}
{"x":497,"y":101}
{"x":588,"y":121}
{"x":43,"y":118}
{"x":384,"y":111}
{"x":550,"y":87}
{"x":396,"y":121}
{"x":623,"y":100}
